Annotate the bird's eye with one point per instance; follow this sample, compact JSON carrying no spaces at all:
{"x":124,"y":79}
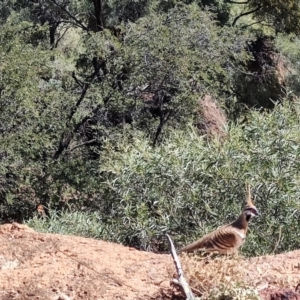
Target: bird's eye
{"x":254,"y":211}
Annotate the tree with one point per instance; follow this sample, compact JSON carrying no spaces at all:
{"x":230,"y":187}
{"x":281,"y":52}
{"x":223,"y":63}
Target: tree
{"x":281,"y":16}
{"x":61,"y":104}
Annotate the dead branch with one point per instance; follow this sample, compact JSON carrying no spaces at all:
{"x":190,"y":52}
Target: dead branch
{"x":82,"y":144}
{"x":79,"y":23}
{"x":181,"y":281}
{"x":245,"y":14}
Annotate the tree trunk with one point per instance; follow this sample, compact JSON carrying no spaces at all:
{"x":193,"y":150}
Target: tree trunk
{"x":98,"y":15}
{"x":52,"y":31}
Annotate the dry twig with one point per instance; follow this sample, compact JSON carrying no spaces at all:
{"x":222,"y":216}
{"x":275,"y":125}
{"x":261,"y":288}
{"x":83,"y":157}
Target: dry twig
{"x":181,"y":281}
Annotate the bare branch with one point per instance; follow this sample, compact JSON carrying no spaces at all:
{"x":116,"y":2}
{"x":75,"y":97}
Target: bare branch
{"x":64,"y":142}
{"x":163,"y":119}
{"x":82,"y":144}
{"x":70,"y":15}
{"x":249,"y":25}
{"x":77,"y":80}
{"x":181,"y":280}
{"x":245,"y":14}
{"x":61,"y":36}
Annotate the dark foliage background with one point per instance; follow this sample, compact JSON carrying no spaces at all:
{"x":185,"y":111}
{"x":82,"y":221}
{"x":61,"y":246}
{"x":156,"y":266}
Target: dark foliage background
{"x":100,"y":106}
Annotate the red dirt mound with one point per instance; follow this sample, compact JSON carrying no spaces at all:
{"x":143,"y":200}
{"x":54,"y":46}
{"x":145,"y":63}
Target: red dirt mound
{"x":51,"y":266}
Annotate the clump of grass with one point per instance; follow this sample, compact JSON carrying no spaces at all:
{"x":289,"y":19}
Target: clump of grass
{"x":235,"y":292}
{"x":219,"y":278}
{"x":70,"y":223}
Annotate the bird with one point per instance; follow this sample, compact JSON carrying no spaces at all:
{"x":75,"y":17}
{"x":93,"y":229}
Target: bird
{"x":226,"y":239}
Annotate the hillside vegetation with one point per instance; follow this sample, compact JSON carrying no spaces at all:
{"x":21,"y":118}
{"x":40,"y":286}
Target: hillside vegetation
{"x":106,"y":130}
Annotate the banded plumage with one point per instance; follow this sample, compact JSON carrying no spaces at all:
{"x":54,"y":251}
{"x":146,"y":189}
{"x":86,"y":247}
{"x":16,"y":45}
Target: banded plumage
{"x":229,"y":238}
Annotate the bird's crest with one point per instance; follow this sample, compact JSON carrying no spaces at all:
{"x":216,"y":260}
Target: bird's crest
{"x":249,"y":202}
{"x":250,"y":207}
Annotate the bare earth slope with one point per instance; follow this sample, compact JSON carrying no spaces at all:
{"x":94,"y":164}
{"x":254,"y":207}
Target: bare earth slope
{"x":48,"y":266}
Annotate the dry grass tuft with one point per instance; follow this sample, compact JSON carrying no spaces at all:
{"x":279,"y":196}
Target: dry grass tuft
{"x":220,"y":277}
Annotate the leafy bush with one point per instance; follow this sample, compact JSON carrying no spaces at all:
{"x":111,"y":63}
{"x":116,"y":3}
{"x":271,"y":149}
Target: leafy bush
{"x":75,"y":223}
{"x":187,"y":187}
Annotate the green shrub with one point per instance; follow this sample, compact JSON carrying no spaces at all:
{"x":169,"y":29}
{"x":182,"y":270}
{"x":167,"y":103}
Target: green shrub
{"x":187,"y":186}
{"x":75,"y":223}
